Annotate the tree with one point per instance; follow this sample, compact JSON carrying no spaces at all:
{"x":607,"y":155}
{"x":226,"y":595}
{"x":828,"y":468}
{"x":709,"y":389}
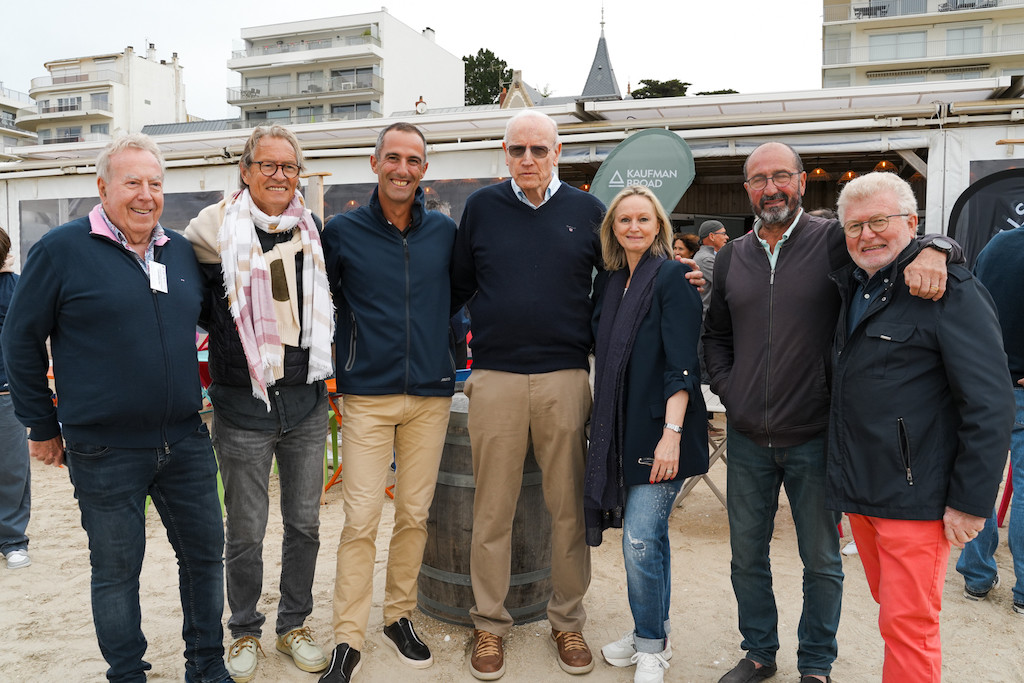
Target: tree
{"x":727,"y":91}
{"x":651,"y":88}
{"x":485,"y":73}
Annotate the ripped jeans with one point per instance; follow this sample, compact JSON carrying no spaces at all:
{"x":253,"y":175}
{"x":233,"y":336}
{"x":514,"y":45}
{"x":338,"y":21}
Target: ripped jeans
{"x":647,"y":554}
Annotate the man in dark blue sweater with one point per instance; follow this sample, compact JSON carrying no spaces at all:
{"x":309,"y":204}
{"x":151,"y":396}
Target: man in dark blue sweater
{"x":119,"y":298}
{"x":527,"y":248}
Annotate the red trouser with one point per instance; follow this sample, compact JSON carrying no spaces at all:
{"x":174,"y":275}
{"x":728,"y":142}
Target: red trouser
{"x":905,"y":564}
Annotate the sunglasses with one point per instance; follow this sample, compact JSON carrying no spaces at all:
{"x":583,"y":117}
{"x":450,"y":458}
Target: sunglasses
{"x":536,"y":151}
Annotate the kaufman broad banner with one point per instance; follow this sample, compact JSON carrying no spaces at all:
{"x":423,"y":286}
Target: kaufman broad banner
{"x":657,"y":158}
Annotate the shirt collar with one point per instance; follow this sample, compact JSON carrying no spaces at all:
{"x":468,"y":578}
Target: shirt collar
{"x":548,"y":193}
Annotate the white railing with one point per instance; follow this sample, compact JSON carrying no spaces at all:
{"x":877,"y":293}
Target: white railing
{"x":925,"y":50}
{"x":85,"y":76}
{"x":872,"y":9}
{"x":301,"y":45}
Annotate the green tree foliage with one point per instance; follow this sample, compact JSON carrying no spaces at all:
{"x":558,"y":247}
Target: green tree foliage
{"x":651,"y":88}
{"x":727,"y":91}
{"x":485,"y":73}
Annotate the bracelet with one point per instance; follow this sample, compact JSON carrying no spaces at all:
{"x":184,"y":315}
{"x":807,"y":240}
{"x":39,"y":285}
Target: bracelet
{"x":675,"y":428}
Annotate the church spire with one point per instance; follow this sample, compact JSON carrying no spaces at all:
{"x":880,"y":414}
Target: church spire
{"x":601,"y":83}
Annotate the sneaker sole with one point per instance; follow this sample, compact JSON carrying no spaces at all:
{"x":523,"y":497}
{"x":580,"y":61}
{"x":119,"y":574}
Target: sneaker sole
{"x":414,"y":663}
{"x":312,"y":668}
{"x":242,"y":678}
{"x":487,"y":675}
{"x":574,"y":670}
{"x":628,"y":661}
{"x":979,"y":597}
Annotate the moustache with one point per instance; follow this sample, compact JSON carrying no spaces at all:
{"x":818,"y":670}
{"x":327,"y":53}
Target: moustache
{"x":771,"y":198}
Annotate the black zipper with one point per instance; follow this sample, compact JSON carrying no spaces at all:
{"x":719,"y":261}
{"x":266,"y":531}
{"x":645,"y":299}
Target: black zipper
{"x":351,"y":343}
{"x":905,"y":449}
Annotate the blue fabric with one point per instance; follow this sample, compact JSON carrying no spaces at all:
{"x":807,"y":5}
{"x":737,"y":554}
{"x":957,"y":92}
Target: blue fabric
{"x":111,"y":485}
{"x":977,"y":562}
{"x":246,"y":455}
{"x":15,"y":480}
{"x":999,"y":267}
{"x":532,"y":273}
{"x":124,"y":357}
{"x":755,"y":476}
{"x":393,"y":335}
{"x":647,"y":553}
{"x":7,"y":284}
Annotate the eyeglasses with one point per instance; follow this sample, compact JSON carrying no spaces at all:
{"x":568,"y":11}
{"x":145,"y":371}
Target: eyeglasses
{"x":269,"y":168}
{"x":536,"y":151}
{"x":781,"y":179}
{"x":719,"y":232}
{"x":878,"y":225}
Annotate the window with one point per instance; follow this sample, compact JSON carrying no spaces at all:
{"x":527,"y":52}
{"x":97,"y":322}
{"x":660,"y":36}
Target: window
{"x":964,"y":75}
{"x":311,"y":82}
{"x":309,"y":114}
{"x":69,"y":134}
{"x":837,"y":48}
{"x":348,"y":79}
{"x":69,"y":103}
{"x":1011,"y":38}
{"x":837,"y":80}
{"x":888,"y":47}
{"x":100,"y":129}
{"x":963,"y":41}
{"x":100,"y":100}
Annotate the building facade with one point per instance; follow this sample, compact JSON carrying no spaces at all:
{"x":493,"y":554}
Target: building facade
{"x":11,"y":102}
{"x":880,"y":42}
{"x":97,"y":97}
{"x":342,"y":68}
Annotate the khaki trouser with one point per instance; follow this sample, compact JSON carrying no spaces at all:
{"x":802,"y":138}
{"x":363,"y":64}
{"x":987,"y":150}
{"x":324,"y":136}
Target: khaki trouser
{"x":413,"y":428}
{"x":505,"y":410}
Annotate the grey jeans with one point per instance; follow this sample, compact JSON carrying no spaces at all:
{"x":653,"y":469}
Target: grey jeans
{"x":245,"y":457}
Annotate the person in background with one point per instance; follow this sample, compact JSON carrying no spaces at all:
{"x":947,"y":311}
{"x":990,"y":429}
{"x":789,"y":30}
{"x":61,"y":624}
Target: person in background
{"x":685,"y":245}
{"x":15,"y":474}
{"x":647,"y":322}
{"x":118,"y":297}
{"x":920,"y":420}
{"x":271,"y":324}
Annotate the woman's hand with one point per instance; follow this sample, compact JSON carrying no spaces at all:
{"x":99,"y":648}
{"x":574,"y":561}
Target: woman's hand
{"x":666,"y":457}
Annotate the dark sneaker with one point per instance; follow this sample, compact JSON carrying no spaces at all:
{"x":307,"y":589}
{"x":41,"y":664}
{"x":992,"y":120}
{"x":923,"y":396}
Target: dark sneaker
{"x":1018,"y":607}
{"x":344,"y":665}
{"x":401,"y":636}
{"x":978,"y":596}
{"x":812,"y":679}
{"x":573,"y":653}
{"x":748,"y":672}
{"x":487,"y":663}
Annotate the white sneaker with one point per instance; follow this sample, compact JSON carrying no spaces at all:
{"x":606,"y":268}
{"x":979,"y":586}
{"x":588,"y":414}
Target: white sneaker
{"x":650,"y":667}
{"x":241,"y":659}
{"x":850,"y":549}
{"x":300,"y":646}
{"x":620,"y":653}
{"x":18,"y":559}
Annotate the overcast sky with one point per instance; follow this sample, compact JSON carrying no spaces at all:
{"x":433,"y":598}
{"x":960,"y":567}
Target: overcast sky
{"x":748,"y":45}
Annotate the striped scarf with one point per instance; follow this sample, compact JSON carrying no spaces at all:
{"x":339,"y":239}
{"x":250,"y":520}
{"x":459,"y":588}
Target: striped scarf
{"x":250,"y":298}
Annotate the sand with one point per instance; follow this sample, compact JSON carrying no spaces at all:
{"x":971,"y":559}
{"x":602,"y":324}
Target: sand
{"x":47,"y":632}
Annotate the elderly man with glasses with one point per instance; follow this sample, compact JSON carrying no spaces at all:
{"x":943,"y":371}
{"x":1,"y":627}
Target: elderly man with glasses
{"x":767,"y":337}
{"x":920,"y":421}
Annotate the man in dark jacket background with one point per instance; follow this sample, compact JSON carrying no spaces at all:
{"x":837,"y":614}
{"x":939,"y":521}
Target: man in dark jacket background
{"x":920,"y":420}
{"x":119,"y":298}
{"x":388,"y":264}
{"x":767,"y":338}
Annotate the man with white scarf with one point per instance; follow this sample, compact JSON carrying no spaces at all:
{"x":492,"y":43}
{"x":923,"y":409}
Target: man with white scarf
{"x":270,"y":350}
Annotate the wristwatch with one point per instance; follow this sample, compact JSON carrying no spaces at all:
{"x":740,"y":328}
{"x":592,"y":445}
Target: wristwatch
{"x":675,"y":428}
{"x":941,"y":244}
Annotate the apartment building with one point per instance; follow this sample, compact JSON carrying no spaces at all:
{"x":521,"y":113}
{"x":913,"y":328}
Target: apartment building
{"x":11,"y":101}
{"x":876,"y":42}
{"x":93,"y":98}
{"x":342,"y":68}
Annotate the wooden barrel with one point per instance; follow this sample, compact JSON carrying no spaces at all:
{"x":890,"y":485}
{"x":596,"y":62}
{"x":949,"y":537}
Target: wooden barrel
{"x":445,"y":591}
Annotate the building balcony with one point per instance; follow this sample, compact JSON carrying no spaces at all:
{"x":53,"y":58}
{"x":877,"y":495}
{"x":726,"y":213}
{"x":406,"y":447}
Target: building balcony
{"x":282,"y":47}
{"x":296,"y":120}
{"x":876,"y":9}
{"x":924,"y":51}
{"x":31,"y":118}
{"x":89,"y":77}
{"x":14,"y":95}
{"x":320,"y":89}
{"x":65,"y":139}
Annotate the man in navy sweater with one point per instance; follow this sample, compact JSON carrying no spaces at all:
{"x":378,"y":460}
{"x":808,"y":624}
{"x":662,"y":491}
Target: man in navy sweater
{"x":527,"y":248}
{"x":119,"y":298}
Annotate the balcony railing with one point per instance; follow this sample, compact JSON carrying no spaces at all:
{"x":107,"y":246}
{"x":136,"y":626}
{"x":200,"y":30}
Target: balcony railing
{"x":870,"y":9}
{"x":10,"y":124}
{"x":299,"y":46}
{"x":84,"y":77}
{"x":328,"y":86}
{"x":313,"y":118}
{"x":86,"y":104}
{"x":85,"y":137}
{"x":15,"y":95}
{"x":925,"y":50}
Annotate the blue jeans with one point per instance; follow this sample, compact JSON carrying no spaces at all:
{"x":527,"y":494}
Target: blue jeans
{"x":755,"y":475}
{"x":111,"y":485}
{"x":15,"y":489}
{"x":647,"y":553}
{"x":977,"y":562}
{"x":245,"y":457}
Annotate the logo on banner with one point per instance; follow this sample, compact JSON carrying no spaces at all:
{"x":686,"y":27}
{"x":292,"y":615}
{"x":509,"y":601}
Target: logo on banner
{"x":657,"y":159}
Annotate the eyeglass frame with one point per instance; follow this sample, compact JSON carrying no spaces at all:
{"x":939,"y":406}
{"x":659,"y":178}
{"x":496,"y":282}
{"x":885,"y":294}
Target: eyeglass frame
{"x":754,"y":182}
{"x":519,"y":151}
{"x":860,"y":224}
{"x":261,"y":164}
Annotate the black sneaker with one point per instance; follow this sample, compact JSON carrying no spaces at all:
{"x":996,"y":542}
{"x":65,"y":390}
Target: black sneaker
{"x":343,"y":667}
{"x":410,"y":649}
{"x":978,"y":596}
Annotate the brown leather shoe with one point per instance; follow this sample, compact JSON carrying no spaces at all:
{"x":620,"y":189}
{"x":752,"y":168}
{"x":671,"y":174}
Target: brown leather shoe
{"x":573,"y":654}
{"x":487,"y":662}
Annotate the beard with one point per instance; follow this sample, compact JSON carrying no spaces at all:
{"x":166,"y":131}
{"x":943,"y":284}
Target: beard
{"x":780,"y":215}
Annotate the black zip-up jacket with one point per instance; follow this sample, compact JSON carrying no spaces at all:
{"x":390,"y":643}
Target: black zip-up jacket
{"x":392,"y":293}
{"x":921,"y":404}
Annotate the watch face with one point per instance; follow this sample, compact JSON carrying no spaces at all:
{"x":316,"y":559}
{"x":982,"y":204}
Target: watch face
{"x":942,"y":243}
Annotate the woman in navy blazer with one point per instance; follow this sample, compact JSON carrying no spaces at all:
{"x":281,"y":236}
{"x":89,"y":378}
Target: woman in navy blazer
{"x":648,"y":431}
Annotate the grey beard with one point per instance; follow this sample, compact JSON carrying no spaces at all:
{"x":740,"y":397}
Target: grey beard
{"x":778,"y":216}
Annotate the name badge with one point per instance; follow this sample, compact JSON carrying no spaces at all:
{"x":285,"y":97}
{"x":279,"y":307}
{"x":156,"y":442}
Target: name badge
{"x":158,"y":277}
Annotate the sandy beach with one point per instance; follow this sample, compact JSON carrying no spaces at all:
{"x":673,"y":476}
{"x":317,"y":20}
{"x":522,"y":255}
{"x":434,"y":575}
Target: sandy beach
{"x":48,"y":635}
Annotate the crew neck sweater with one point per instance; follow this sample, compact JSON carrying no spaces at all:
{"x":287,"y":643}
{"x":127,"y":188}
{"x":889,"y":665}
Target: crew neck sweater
{"x":530,"y":273}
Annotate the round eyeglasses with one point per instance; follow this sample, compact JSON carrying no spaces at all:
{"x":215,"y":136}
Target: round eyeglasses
{"x":878,"y":225}
{"x":269,"y":168}
{"x":780,"y":179}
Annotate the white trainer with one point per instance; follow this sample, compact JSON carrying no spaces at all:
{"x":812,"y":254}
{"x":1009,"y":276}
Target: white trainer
{"x":18,"y":559}
{"x":620,"y":653}
{"x":650,"y":667}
